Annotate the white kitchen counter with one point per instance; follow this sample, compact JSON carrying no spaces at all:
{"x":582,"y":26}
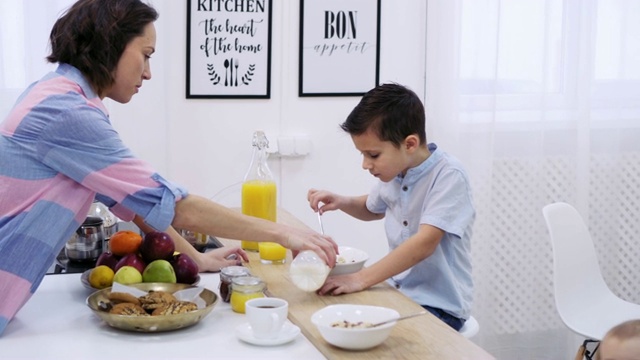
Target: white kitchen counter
{"x":57,"y":324}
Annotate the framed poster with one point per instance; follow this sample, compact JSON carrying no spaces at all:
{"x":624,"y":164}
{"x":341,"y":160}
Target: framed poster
{"x":228,"y":49}
{"x":339,"y":47}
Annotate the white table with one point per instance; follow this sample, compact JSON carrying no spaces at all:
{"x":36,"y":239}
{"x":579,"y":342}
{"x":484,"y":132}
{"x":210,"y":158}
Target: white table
{"x":57,"y":324}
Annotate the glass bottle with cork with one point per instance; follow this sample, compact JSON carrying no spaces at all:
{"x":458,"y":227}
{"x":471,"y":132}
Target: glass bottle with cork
{"x":259,"y":188}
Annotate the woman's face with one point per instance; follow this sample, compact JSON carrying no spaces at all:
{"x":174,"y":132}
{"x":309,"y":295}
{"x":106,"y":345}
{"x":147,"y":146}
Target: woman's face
{"x":133,"y":66}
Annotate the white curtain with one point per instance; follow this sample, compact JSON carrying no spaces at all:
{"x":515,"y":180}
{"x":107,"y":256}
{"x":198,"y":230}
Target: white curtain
{"x":24,"y":36}
{"x":541,"y":100}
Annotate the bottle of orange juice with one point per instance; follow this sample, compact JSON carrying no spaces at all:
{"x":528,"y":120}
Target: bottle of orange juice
{"x":259,"y":188}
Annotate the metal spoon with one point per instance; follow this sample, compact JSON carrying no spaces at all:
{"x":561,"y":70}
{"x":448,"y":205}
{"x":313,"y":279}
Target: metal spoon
{"x":320,"y":221}
{"x":399,"y":318}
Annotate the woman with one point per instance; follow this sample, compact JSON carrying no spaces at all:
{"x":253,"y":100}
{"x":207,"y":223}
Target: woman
{"x":58,"y":151}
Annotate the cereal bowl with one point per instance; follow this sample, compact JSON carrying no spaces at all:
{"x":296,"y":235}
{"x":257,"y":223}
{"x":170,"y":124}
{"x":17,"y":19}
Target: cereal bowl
{"x":345,"y":325}
{"x":349,"y":260}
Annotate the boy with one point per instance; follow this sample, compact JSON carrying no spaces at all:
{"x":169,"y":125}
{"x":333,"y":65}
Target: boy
{"x":622,"y":342}
{"x":424,"y":196}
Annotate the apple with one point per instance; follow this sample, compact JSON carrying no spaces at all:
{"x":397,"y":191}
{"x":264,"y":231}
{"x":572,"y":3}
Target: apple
{"x":185,"y":268}
{"x":109,"y":259}
{"x":133,"y":260}
{"x":159,"y":271}
{"x":157,"y":245}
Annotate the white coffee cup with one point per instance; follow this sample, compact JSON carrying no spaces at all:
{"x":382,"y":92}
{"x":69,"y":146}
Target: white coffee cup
{"x":266,"y":316}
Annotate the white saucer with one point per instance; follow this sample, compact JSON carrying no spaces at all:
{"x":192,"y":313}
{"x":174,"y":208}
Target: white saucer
{"x":287,"y":334}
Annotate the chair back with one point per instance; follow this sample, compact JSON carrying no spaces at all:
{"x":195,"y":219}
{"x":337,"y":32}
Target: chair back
{"x":577,"y":279}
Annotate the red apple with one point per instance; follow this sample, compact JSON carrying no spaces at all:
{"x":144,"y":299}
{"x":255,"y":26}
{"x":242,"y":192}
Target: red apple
{"x":133,"y":260}
{"x":185,"y":268}
{"x":157,"y":245}
{"x":109,"y":259}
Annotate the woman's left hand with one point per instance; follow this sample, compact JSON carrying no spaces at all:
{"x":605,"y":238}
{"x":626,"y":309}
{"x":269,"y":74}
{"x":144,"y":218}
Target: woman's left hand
{"x":216,"y":259}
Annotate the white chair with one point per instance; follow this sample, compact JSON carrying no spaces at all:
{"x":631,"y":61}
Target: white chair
{"x":584,"y":301}
{"x":470,"y":328}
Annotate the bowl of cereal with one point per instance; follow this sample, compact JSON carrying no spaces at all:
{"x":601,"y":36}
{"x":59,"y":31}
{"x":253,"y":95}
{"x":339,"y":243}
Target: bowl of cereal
{"x":350,"y":326}
{"x":349,"y":260}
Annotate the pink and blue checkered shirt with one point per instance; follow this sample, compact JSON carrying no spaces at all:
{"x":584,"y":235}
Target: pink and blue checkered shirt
{"x":58,"y":151}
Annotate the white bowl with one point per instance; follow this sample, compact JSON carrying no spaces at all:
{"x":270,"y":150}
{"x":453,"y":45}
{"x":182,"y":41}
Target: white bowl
{"x":349,"y":261}
{"x":359,"y":338}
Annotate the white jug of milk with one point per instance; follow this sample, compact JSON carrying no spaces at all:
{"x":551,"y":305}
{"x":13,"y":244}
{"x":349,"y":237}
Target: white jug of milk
{"x":308,"y":271}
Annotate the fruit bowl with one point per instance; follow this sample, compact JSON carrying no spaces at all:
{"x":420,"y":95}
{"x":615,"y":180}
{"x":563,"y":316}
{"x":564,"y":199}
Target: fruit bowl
{"x":148,"y":324}
{"x":349,"y":261}
{"x":84,"y":279}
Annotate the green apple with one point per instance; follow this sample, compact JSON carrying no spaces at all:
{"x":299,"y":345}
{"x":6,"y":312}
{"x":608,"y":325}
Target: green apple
{"x":159,"y":271}
{"x":127,"y":275}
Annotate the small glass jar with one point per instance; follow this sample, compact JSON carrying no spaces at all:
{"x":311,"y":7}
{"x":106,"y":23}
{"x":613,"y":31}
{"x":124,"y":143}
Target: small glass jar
{"x":245,"y":288}
{"x":226,"y":276}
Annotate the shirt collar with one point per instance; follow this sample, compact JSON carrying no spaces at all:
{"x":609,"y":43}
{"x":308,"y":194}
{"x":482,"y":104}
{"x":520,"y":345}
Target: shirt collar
{"x":72,"y":73}
{"x":416,"y":172}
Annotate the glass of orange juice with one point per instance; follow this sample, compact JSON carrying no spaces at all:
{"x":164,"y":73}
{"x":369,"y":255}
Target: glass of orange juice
{"x":272,"y":253}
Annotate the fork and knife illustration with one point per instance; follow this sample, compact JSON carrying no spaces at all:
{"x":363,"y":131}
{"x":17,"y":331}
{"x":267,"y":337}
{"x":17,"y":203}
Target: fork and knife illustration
{"x":231,"y":78}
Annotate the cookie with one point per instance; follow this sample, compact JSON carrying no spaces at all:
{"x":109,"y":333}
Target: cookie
{"x":120,"y":297}
{"x":128,"y":309}
{"x":155,"y":299}
{"x":176,"y":307}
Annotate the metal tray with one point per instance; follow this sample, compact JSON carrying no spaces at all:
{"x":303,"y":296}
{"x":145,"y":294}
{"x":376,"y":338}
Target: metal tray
{"x":152,"y":324}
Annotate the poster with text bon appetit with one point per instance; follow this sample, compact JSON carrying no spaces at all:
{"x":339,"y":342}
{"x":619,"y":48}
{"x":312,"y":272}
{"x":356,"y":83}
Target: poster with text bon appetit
{"x":228,"y":49}
{"x":339,"y":47}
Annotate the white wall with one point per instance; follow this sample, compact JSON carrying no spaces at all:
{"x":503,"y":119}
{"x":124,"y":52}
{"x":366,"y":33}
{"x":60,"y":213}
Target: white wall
{"x":205,"y":145}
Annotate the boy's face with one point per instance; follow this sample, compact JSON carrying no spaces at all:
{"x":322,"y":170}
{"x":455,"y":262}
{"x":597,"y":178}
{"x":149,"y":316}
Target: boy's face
{"x":381,"y":158}
{"x":613,"y":348}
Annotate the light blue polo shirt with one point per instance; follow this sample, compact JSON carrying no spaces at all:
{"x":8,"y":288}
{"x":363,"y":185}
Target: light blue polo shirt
{"x":436,"y":192}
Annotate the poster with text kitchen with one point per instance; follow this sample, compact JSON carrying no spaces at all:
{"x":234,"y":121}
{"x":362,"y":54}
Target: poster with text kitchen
{"x":339,"y":47}
{"x":228,"y":49}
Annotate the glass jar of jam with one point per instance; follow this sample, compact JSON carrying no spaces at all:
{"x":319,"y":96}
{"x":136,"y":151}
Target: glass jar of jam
{"x":226,"y":275}
{"x":245,"y":288}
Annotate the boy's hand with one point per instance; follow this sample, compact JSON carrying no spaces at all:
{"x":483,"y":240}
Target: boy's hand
{"x":330,"y":200}
{"x":342,"y":284}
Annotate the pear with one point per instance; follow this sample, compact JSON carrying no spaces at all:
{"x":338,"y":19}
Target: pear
{"x":159,"y":271}
{"x":127,"y":275}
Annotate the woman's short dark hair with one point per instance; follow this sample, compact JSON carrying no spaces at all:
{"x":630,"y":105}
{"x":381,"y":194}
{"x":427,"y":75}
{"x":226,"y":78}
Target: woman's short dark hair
{"x":92,"y":35}
{"x":392,"y":111}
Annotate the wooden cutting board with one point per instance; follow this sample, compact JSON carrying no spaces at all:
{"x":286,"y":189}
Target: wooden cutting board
{"x":423,"y":337}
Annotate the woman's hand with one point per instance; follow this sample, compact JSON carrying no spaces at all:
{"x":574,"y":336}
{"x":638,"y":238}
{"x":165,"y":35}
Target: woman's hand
{"x":216,"y":259}
{"x":299,"y":239}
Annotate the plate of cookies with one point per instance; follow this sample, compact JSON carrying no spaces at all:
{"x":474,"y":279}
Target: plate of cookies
{"x":152,"y":307}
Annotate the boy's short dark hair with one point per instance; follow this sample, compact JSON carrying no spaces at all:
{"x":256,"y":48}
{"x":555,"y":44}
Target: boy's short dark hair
{"x":92,"y":35}
{"x":392,"y":111}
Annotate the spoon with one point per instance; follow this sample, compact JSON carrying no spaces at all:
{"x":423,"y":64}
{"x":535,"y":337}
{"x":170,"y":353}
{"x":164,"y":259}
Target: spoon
{"x":320,"y":221}
{"x":226,"y":67}
{"x":399,"y":318}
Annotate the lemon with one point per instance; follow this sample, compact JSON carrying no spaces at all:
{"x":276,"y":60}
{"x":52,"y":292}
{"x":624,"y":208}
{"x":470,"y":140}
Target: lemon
{"x":101,"y":277}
